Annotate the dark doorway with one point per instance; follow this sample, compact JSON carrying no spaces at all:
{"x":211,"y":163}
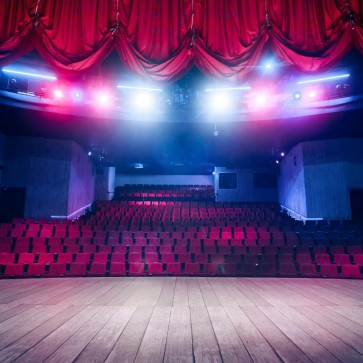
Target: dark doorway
{"x":356,"y":203}
{"x":12,"y":203}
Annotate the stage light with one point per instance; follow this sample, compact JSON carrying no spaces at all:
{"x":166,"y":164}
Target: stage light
{"x":89,"y":153}
{"x":58,"y":94}
{"x":77,"y":94}
{"x":312,"y":94}
{"x":261,"y":100}
{"x":277,"y":162}
{"x":297,"y":95}
{"x":13,"y":71}
{"x":282,"y":154}
{"x":220,"y":102}
{"x":242,"y":88}
{"x":140,"y":88}
{"x":144,"y":101}
{"x":139,"y":166}
{"x":322,"y":79}
{"x":103,"y":98}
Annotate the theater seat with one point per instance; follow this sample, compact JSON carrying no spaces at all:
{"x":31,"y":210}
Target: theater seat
{"x":117,"y":269}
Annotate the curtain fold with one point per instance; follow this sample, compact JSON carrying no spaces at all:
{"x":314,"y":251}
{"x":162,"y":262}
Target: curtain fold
{"x":163,"y":39}
{"x":16,"y":29}
{"x":310,"y":35}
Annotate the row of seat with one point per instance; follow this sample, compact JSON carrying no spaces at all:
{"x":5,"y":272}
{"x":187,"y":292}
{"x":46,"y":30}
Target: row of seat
{"x":177,"y":268}
{"x":169,"y":256}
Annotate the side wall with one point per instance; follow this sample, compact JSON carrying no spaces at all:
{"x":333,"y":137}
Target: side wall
{"x":82,"y":182}
{"x":317,"y":185}
{"x":331,"y":169}
{"x":42,"y":166}
{"x":246,"y":190}
{"x":292,"y":193}
{"x":2,"y":152}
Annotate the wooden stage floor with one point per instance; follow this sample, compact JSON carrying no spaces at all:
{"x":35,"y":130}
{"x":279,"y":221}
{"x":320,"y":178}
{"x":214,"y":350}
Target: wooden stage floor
{"x":183,"y":319}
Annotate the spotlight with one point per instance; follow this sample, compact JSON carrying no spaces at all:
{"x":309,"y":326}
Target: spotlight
{"x":220,"y":102}
{"x":103,"y":99}
{"x":77,"y":94}
{"x":312,"y":94}
{"x":282,"y":155}
{"x":277,"y":162}
{"x":144,"y":101}
{"x":58,"y":94}
{"x":89,"y":153}
{"x":216,"y":133}
{"x":297,"y":95}
{"x":261,"y":99}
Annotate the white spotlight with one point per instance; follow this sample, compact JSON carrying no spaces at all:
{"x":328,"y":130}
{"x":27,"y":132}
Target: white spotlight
{"x":144,"y":101}
{"x":220,"y":102}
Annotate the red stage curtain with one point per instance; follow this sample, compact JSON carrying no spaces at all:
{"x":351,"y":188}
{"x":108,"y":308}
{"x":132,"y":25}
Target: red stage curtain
{"x":15,"y":30}
{"x":162,"y":39}
{"x":75,"y":36}
{"x":231,"y":37}
{"x":311,"y":35}
{"x":155,"y":36}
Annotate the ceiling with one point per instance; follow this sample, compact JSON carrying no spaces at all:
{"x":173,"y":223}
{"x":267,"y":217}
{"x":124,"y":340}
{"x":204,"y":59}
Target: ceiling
{"x":186,"y":143}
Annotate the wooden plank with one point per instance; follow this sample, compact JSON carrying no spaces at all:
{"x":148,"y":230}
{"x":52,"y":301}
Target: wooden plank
{"x":152,"y":347}
{"x":283,"y":346}
{"x":209,"y":297}
{"x":243,"y":286}
{"x":118,"y":285}
{"x":179,"y":343}
{"x":19,"y":347}
{"x":76,"y":287}
{"x":302,"y":286}
{"x":238,"y":296}
{"x":45,"y":348}
{"x":195,"y":297}
{"x":339,"y":331}
{"x":354,"y":313}
{"x":69,"y":351}
{"x":309,"y":346}
{"x":128,"y":343}
{"x":340,"y":319}
{"x":257,"y":346}
{"x":219,"y":288}
{"x":181,"y":292}
{"x":20,"y":330}
{"x":205,"y":345}
{"x":231,"y":347}
{"x":146,"y":294}
{"x":126,"y":292}
{"x":166,"y":297}
{"x":101,"y":345}
{"x":12,"y":311}
{"x":20,"y":318}
{"x":322,"y":336}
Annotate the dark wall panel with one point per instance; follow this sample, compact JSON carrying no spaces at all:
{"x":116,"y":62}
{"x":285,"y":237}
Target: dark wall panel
{"x":42,"y":166}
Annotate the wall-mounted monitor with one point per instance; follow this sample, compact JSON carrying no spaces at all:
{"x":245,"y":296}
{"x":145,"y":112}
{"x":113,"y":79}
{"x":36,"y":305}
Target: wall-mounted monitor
{"x":227,"y":181}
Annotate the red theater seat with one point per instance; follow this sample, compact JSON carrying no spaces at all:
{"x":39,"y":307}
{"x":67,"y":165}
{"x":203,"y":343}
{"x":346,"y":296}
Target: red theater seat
{"x":136,"y":269}
{"x":287,"y":270}
{"x":56,"y":269}
{"x":64,"y":258}
{"x":97,"y":269}
{"x":25,"y":258}
{"x":36,"y":269}
{"x":77,"y":269}
{"x":46,"y":258}
{"x":14,"y":270}
{"x":100,"y":258}
{"x":155,"y":268}
{"x":117,"y":269}
{"x":328,"y":270}
{"x":308,"y":270}
{"x":351,"y":271}
{"x":7,"y":258}
{"x":173,"y":268}
{"x":192,"y":268}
